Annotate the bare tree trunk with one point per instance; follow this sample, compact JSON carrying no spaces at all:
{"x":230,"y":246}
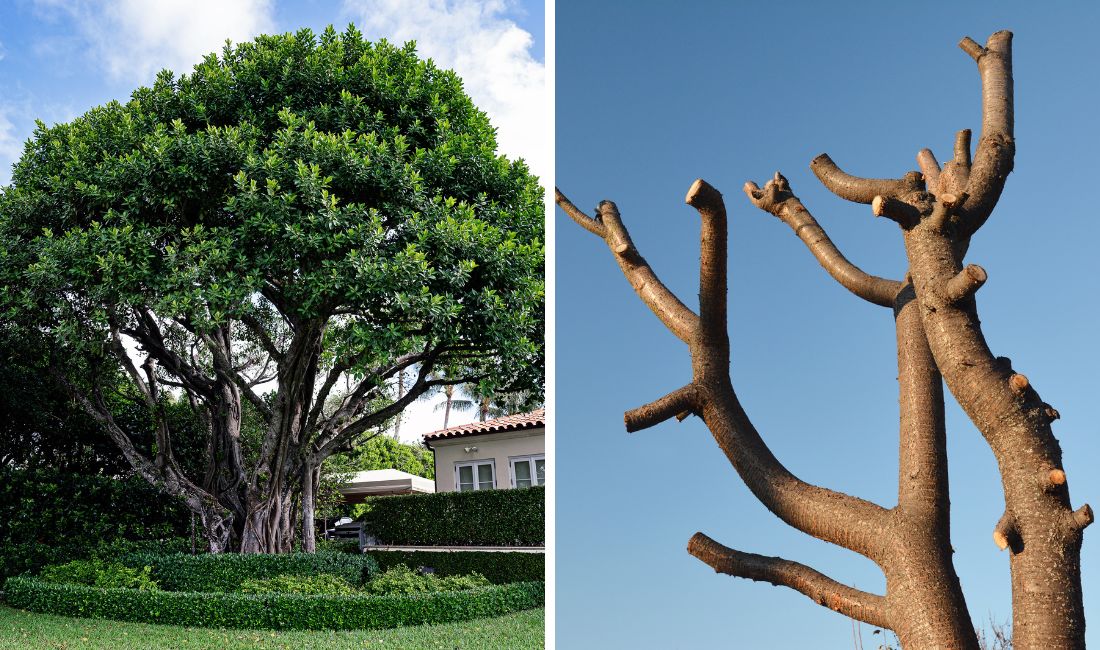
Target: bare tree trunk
{"x":309,"y":536}
{"x":922,"y":588}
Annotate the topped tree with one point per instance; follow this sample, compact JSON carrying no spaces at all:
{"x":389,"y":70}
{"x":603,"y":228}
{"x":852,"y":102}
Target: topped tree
{"x":940,"y":339}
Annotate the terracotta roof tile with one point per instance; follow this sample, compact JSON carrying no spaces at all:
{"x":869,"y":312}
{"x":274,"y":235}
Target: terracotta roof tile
{"x":518,"y":422}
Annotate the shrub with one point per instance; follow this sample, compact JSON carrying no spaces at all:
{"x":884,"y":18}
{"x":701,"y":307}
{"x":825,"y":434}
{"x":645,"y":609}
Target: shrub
{"x":403,"y":580}
{"x":77,"y":572}
{"x":47,"y":517}
{"x":338,"y":545}
{"x":498,"y":568}
{"x":479,"y":518}
{"x":322,"y":583}
{"x":271,"y":611}
{"x":100,"y":574}
{"x":226,"y":571}
{"x":116,"y":576}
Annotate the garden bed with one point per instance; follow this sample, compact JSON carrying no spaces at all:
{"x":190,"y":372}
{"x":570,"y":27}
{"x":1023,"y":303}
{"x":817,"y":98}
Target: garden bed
{"x":271,"y":611}
{"x":235,"y":591}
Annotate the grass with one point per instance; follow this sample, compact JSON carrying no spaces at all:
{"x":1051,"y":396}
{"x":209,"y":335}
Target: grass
{"x":20,"y":630}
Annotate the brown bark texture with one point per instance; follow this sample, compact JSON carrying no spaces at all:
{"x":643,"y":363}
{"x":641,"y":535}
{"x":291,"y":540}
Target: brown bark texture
{"x":939,"y":341}
{"x":265,"y":504}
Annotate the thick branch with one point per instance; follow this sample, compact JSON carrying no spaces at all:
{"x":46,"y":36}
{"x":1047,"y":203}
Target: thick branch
{"x":680,"y":320}
{"x":930,"y":167}
{"x":856,"y":189}
{"x":996,"y":147}
{"x":823,"y":590}
{"x":790,"y":211}
{"x":148,"y":334}
{"x":224,"y":368}
{"x":672,"y":405}
{"x":712,"y":266}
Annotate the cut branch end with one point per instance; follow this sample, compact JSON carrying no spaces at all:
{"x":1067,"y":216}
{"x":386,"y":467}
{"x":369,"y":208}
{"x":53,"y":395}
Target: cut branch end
{"x":702,"y":195}
{"x":971,"y":47}
{"x":1018,"y":383}
{"x":1005,"y":533}
{"x":966,"y":284}
{"x":673,"y":405}
{"x":1083,"y":516}
{"x":897,"y":211}
{"x":1056,"y":477}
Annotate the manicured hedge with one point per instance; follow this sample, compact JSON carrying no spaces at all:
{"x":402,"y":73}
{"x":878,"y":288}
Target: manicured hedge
{"x":499,"y":568}
{"x":49,"y":517}
{"x":226,"y":571}
{"x":478,"y":518}
{"x":271,"y":611}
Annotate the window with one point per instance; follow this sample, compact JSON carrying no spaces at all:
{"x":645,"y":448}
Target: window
{"x":528,"y":471}
{"x":475,"y":475}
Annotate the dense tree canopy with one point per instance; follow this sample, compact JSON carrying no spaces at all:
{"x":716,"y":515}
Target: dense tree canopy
{"x":300,"y":213}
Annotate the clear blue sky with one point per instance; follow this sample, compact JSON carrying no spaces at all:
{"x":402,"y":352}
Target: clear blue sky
{"x":651,"y":95}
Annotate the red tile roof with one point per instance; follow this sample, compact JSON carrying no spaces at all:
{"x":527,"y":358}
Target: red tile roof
{"x":518,"y":422}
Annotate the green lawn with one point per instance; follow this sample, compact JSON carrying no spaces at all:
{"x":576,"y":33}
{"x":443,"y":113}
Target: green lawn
{"x":21,"y":630}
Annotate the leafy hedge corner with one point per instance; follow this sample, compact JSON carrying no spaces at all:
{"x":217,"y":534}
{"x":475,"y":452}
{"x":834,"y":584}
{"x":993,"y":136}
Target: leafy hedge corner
{"x":271,"y":611}
{"x":225,"y":572}
{"x":498,"y":568}
{"x":478,"y":518}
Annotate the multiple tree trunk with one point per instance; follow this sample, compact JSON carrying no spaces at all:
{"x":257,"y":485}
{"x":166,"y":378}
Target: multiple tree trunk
{"x":255,"y":500}
{"x":939,"y":340}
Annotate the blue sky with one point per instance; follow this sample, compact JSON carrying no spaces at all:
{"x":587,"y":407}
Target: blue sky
{"x":652,"y":95}
{"x":59,"y":58}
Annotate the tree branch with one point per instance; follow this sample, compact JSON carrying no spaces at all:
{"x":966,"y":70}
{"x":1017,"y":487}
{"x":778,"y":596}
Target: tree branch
{"x":789,"y":210}
{"x":680,"y":320}
{"x":712,"y":269}
{"x":594,"y":226}
{"x":224,"y":367}
{"x":930,"y":167}
{"x":257,"y":329}
{"x":682,"y":400}
{"x":856,"y":189}
{"x":823,"y":590}
{"x":147,"y":333}
{"x":996,"y":147}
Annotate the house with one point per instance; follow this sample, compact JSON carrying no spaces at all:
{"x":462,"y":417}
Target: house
{"x":507,"y":452}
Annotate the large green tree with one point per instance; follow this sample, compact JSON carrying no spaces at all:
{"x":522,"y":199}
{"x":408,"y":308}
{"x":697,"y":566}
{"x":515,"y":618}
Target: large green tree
{"x":300,"y":214}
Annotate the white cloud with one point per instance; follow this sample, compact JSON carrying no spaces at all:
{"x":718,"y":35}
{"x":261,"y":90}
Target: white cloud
{"x":133,"y":39}
{"x":3,"y":52}
{"x":491,"y":53}
{"x":11,"y":145}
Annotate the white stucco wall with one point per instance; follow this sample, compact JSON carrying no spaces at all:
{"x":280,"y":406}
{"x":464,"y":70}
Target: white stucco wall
{"x":501,"y":447}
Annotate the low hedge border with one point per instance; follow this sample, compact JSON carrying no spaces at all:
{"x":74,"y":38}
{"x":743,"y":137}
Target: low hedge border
{"x":225,"y":572}
{"x":271,"y":611}
{"x":475,"y":518}
{"x":499,"y":567}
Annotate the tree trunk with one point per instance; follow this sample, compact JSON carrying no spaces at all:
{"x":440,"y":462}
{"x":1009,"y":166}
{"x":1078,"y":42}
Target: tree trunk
{"x":922,"y":589}
{"x":309,"y":531}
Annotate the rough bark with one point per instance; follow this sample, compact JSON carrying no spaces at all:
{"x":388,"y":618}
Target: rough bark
{"x":939,"y":341}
